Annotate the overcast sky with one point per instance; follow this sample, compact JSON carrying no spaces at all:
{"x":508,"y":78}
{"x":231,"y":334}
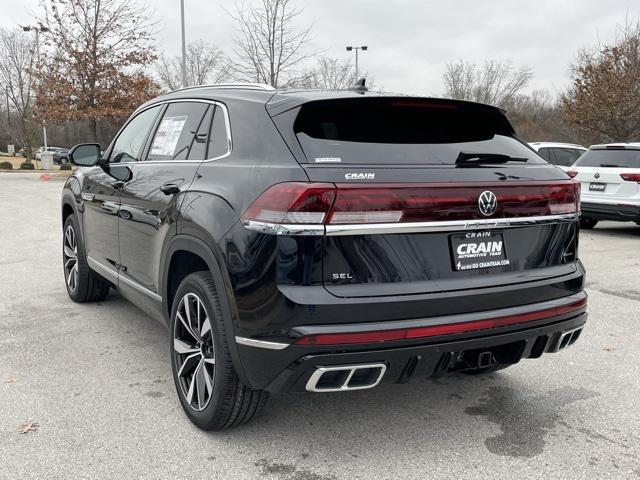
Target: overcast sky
{"x":411,"y":41}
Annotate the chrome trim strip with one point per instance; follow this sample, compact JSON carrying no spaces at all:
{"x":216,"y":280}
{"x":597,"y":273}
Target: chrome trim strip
{"x":284,"y":229}
{"x":95,"y":265}
{"x":181,"y":100}
{"x":416,"y":227}
{"x":135,"y":285}
{"x":261,"y":343}
{"x":413,"y":227}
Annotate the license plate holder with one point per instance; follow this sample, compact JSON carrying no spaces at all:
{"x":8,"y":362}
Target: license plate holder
{"x":478,"y":250}
{"x":597,"y":187}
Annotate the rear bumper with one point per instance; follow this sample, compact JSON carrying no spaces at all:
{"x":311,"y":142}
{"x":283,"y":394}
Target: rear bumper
{"x":615,"y":212}
{"x":289,"y":368}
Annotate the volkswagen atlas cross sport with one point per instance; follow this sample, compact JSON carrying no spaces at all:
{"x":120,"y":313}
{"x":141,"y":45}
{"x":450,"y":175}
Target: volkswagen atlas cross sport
{"x":610,"y":179}
{"x":296,"y":240}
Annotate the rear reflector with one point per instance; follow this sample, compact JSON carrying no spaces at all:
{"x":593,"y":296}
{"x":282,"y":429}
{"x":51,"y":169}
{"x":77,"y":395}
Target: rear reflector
{"x":631,"y":177}
{"x":340,"y":204}
{"x":435,"y":330}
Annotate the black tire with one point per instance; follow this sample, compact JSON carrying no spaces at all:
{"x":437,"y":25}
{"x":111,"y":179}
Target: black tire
{"x":482,"y":371}
{"x":229,"y":403}
{"x":587,"y":223}
{"x":86,"y":286}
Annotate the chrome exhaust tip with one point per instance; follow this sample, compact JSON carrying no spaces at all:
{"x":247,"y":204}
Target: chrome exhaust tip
{"x":344,"y":378}
{"x":566,"y":339}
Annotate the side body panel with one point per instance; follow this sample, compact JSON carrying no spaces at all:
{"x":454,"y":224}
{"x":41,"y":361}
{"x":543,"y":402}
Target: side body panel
{"x":100,"y":198}
{"x":148,"y":218}
{"x":222,"y":189}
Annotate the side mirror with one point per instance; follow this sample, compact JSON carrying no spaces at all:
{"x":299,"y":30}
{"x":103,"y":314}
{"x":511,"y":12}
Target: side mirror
{"x":85,"y":154}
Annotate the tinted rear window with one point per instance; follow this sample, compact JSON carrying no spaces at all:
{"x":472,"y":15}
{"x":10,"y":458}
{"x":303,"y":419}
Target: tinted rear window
{"x":402,"y":131}
{"x":567,"y":156}
{"x":610,"y":158}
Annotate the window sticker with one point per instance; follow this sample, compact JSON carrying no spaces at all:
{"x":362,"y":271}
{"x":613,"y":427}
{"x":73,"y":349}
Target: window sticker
{"x":167,"y":136}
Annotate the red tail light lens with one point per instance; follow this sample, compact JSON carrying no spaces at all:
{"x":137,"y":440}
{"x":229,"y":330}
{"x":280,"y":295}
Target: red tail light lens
{"x":572,"y":173}
{"x":294,"y":202}
{"x":339,"y":204}
{"x":631,"y":177}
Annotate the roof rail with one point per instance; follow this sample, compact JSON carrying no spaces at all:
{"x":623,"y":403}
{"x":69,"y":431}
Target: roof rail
{"x":248,"y":86}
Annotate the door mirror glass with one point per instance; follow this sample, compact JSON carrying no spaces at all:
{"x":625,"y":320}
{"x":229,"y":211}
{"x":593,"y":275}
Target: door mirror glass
{"x":85,"y":154}
{"x":120,"y":172}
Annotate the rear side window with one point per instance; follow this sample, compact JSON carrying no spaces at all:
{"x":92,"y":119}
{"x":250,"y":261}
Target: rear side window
{"x":402,"y":131}
{"x":176,"y":131}
{"x":547,"y":154}
{"x":566,"y":156}
{"x":202,"y":140}
{"x":219,"y":138}
{"x":610,"y":157}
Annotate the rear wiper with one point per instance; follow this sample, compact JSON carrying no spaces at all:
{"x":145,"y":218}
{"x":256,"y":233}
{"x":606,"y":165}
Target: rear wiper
{"x":473,"y":158}
{"x":610,"y":165}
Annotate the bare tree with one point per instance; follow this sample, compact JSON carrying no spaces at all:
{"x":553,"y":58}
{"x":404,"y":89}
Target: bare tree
{"x":330,"y":74}
{"x":494,"y":82}
{"x":95,"y":59}
{"x":538,"y":117}
{"x":270,"y":47}
{"x":17,"y":62}
{"x":206,"y":64}
{"x":603,"y":99}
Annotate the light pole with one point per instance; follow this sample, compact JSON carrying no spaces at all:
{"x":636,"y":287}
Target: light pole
{"x":364,"y":48}
{"x":184,"y":47}
{"x":38,"y":28}
{"x":6,"y":91}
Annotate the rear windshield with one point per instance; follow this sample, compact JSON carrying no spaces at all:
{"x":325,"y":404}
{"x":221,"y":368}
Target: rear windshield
{"x":403,"y":131}
{"x":610,"y":158}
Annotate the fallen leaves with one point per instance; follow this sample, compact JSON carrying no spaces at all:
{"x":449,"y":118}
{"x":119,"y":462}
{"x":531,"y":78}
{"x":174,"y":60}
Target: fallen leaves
{"x":28,"y":427}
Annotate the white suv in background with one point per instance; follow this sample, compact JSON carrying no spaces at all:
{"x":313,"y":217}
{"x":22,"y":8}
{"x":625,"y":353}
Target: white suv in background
{"x":610,"y":178}
{"x":561,"y":155}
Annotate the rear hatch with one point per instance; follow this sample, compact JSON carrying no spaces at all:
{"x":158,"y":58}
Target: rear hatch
{"x":609,"y":174}
{"x":430,"y":196}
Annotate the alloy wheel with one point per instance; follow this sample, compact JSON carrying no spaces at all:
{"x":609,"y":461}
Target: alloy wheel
{"x":194,"y":351}
{"x":70,"y":257}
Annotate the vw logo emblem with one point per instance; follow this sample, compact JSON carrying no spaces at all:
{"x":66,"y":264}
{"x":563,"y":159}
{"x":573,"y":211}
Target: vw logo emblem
{"x":596,"y":175}
{"x":487,"y":203}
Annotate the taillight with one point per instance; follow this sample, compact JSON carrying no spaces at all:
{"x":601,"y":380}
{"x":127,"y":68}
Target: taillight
{"x":341,"y":204}
{"x":631,"y":177}
{"x":572,"y":173}
{"x":293,"y":202}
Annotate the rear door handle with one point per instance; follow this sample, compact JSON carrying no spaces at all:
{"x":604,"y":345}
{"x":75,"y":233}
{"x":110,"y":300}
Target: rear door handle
{"x":170,"y":189}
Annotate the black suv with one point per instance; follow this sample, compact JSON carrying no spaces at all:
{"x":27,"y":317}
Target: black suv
{"x":296,"y":240}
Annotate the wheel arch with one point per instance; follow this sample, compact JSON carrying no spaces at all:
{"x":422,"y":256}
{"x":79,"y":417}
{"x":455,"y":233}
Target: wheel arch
{"x":186,"y":254}
{"x":67,"y":210}
{"x":69,"y":199}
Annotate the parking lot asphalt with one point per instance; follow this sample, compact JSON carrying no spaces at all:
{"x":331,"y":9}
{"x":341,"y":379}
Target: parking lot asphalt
{"x":96,"y":380}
